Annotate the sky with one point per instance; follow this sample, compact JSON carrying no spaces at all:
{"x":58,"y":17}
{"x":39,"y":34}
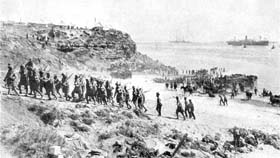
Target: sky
{"x":157,"y":20}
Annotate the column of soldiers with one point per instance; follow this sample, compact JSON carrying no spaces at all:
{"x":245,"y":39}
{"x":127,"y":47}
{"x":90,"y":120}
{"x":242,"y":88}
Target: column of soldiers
{"x":92,"y":90}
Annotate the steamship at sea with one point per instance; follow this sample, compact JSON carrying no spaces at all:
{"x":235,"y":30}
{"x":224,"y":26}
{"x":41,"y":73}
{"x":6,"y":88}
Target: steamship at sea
{"x":246,"y":41}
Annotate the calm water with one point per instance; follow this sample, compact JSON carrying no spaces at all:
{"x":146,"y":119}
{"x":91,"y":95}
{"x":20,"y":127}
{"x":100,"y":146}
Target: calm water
{"x":256,"y":60}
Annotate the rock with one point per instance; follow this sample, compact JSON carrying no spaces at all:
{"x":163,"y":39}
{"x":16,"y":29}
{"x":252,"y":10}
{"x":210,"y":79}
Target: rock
{"x":250,"y":139}
{"x":171,"y":145}
{"x":228,"y":146}
{"x":217,"y":137}
{"x":48,"y":118}
{"x":127,"y":114}
{"x":73,"y":116}
{"x":79,"y":127}
{"x":55,"y":150}
{"x":117,"y":147}
{"x":166,"y":153}
{"x":88,"y":121}
{"x":207,"y":139}
{"x":105,"y":136}
{"x":187,"y":153}
{"x":242,"y":150}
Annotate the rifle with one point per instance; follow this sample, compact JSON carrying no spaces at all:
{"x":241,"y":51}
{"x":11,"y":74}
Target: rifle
{"x":69,"y":77}
{"x":179,"y":145}
{"x":45,"y":68}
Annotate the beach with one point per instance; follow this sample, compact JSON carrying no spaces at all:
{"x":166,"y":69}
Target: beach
{"x":253,"y":60}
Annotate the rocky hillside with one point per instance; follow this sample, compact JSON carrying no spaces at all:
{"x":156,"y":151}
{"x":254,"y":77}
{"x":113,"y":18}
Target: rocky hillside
{"x":65,"y":47}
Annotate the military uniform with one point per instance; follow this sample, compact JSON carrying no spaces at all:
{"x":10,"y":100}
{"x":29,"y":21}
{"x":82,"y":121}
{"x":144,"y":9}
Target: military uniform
{"x":126,"y":98}
{"x":90,"y":91}
{"x":49,"y":85}
{"x":10,"y":79}
{"x":23,"y":80}
{"x":179,"y":110}
{"x":159,"y":105}
{"x":57,"y":85}
{"x":65,"y":87}
{"x":34,"y":83}
{"x":77,"y":89}
{"x":191,"y":110}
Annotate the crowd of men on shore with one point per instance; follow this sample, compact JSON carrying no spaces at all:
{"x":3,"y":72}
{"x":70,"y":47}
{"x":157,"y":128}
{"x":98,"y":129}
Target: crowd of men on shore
{"x":92,"y":89}
{"x":38,"y":82}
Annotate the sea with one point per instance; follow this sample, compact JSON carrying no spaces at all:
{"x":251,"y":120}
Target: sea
{"x":261,"y":61}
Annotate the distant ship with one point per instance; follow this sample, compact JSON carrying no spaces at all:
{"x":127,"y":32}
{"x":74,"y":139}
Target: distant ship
{"x":247,"y":41}
{"x":179,"y":39}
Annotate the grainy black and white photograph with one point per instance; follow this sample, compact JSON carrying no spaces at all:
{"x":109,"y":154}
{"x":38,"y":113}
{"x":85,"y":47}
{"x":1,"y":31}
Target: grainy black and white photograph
{"x":140,"y":78}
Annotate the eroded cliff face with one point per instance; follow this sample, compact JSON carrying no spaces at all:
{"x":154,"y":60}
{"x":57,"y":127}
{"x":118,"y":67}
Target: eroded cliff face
{"x":60,"y":47}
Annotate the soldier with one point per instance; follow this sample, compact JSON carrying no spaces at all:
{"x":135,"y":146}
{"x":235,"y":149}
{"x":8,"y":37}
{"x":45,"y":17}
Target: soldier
{"x":141,"y":100}
{"x":232,"y":94}
{"x":175,"y":86}
{"x":57,"y":85}
{"x":126,"y":98}
{"x":29,"y":64}
{"x":82,"y":86}
{"x":98,"y":92}
{"x":179,"y":108}
{"x":77,"y":88}
{"x":191,"y":110}
{"x":89,"y":91}
{"x":103,"y":95}
{"x":186,"y":107}
{"x":117,"y":89}
{"x":34,"y":83}
{"x":256,"y":91}
{"x":65,"y":87}
{"x":119,"y":97}
{"x":109,"y":92}
{"x":166,"y":85}
{"x":225,"y":100}
{"x":8,"y":74}
{"x":221,"y":100}
{"x":42,"y":81}
{"x":10,"y":79}
{"x":134,"y":96}
{"x":159,"y":105}
{"x":23,"y":80}
{"x":49,"y":86}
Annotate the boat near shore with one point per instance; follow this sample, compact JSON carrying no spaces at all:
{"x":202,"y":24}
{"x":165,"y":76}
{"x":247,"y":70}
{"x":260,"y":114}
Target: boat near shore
{"x":247,"y":41}
{"x":180,"y":41}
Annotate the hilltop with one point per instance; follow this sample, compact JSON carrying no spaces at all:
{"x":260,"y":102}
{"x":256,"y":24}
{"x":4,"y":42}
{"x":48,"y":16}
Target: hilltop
{"x":61,"y":47}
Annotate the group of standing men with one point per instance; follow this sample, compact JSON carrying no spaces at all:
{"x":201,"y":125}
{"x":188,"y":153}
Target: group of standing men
{"x":93,"y":89}
{"x":187,"y":112}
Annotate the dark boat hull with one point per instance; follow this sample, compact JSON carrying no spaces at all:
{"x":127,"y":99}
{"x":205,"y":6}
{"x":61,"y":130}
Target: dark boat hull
{"x":254,"y":43}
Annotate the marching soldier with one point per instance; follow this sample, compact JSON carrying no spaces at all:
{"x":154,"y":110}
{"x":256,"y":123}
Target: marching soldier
{"x":34,"y":83}
{"x":10,"y":79}
{"x":65,"y":87}
{"x":159,"y":105}
{"x":179,"y":108}
{"x":23,"y":80}
{"x":57,"y":85}
{"x":49,"y":86}
{"x":126,"y":98}
{"x":77,"y":88}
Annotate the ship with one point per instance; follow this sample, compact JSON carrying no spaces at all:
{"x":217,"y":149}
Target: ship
{"x":247,"y":41}
{"x":179,"y":39}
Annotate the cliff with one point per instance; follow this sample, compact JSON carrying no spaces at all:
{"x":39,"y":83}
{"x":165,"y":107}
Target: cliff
{"x":59,"y":47}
